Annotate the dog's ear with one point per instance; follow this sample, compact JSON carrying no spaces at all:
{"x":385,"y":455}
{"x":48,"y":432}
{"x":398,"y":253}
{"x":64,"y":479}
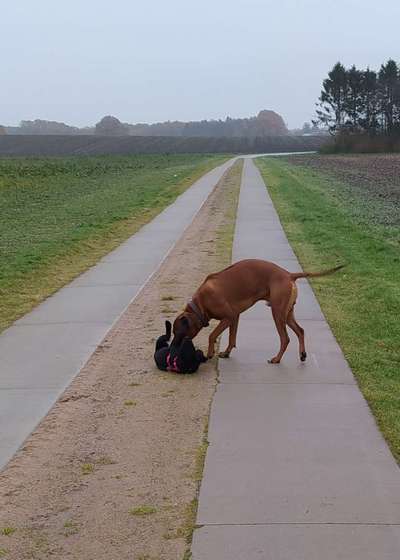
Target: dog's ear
{"x":168,"y":328}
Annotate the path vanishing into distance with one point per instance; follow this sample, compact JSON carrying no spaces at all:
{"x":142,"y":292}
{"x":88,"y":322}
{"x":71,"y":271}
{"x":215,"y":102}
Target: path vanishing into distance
{"x":296,"y":468}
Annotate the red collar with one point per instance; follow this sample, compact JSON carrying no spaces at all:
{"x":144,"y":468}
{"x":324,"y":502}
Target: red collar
{"x":174,"y":365}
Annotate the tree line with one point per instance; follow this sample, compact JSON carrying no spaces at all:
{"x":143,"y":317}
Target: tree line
{"x":361,"y":101}
{"x":266,"y":123}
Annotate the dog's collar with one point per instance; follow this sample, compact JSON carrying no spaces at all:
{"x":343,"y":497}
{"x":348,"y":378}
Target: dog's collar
{"x":200,"y":316}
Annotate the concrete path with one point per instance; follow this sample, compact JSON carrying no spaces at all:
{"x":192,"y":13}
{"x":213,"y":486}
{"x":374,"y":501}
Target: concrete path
{"x":296,"y":468}
{"x":42,"y":352}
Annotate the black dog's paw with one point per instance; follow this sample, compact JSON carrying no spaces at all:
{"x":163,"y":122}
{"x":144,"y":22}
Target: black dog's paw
{"x":303,"y":356}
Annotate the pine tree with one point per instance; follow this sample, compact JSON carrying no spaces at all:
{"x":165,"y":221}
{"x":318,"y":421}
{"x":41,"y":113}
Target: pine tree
{"x":353,"y":102}
{"x":370,"y":102}
{"x":331,"y":106}
{"x":388,"y":94}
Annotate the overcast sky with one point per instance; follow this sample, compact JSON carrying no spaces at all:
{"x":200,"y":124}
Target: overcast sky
{"x":153,"y":60}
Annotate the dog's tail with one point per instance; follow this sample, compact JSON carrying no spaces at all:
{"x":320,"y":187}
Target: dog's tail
{"x":168,"y":328}
{"x":296,"y":275}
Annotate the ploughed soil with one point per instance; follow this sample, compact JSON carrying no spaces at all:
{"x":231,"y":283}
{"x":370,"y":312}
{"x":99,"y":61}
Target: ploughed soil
{"x":374,"y":178}
{"x":91,"y":145}
{"x":112,"y":472}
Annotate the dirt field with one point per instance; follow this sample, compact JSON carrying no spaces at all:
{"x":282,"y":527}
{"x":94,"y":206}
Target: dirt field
{"x":55,"y":145}
{"x":112,"y":472}
{"x":375,"y":178}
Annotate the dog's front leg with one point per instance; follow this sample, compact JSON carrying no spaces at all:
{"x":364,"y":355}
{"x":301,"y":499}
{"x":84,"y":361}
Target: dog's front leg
{"x":224,"y":324}
{"x":233,"y":327}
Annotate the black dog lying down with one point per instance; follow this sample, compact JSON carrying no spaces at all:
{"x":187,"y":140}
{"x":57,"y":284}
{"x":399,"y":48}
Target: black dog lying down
{"x":181,"y":358}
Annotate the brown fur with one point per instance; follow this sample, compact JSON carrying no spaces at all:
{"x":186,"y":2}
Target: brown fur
{"x":226,"y":294}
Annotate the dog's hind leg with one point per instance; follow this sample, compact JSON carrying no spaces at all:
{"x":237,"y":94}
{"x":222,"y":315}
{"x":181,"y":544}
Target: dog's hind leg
{"x":280,"y":322}
{"x":162,"y":342}
{"x":292,"y":323}
{"x":281,"y":302}
{"x":233,"y":327}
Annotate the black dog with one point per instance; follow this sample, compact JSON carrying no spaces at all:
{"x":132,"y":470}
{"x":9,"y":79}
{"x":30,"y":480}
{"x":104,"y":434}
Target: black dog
{"x":180,"y":357}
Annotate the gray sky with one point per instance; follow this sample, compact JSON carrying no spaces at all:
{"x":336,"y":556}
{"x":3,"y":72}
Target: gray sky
{"x":153,"y":60}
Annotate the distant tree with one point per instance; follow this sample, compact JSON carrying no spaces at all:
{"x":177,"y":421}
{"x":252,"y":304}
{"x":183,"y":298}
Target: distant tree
{"x":369,"y":120}
{"x":306,"y":129}
{"x":40,"y":126}
{"x":271,"y":123}
{"x":361,"y":101}
{"x":353,"y":104}
{"x":266,"y":123}
{"x":86,"y":130}
{"x":388,"y":91}
{"x":111,"y":126}
{"x":331,"y":104}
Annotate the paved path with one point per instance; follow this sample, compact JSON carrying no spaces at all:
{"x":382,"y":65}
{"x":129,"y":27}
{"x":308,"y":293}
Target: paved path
{"x":42,"y":352}
{"x":296,"y":468}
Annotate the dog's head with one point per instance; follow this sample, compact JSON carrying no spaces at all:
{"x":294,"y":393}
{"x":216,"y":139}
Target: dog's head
{"x":184,"y":325}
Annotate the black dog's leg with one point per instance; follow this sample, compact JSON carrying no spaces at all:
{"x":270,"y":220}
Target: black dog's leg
{"x":162,"y":341}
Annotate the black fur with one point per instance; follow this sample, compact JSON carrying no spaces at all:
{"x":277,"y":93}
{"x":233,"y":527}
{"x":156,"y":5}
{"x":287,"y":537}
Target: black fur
{"x":187,"y":357}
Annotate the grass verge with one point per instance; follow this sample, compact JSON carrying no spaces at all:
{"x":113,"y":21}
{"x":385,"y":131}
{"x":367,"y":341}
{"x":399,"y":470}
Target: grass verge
{"x":362,"y":303}
{"x":59,"y":216}
{"x":225,"y":234}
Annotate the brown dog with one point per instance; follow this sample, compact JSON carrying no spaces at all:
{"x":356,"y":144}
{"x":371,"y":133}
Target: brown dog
{"x":226,"y":294}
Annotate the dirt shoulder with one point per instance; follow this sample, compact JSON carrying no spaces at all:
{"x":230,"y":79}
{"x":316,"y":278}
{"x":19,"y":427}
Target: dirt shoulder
{"x":112,"y":472}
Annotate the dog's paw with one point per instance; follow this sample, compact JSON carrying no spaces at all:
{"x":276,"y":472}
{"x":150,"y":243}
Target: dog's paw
{"x":210,"y":352}
{"x":224,"y":354}
{"x":274,"y":361}
{"x":303,"y":356}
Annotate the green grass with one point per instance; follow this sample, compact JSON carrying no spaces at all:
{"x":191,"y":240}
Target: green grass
{"x":60,"y":215}
{"x":362,"y":303}
{"x":225,"y":234}
{"x":143,"y":510}
{"x":7,"y":531}
{"x":87,"y":468}
{"x":70,"y":528}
